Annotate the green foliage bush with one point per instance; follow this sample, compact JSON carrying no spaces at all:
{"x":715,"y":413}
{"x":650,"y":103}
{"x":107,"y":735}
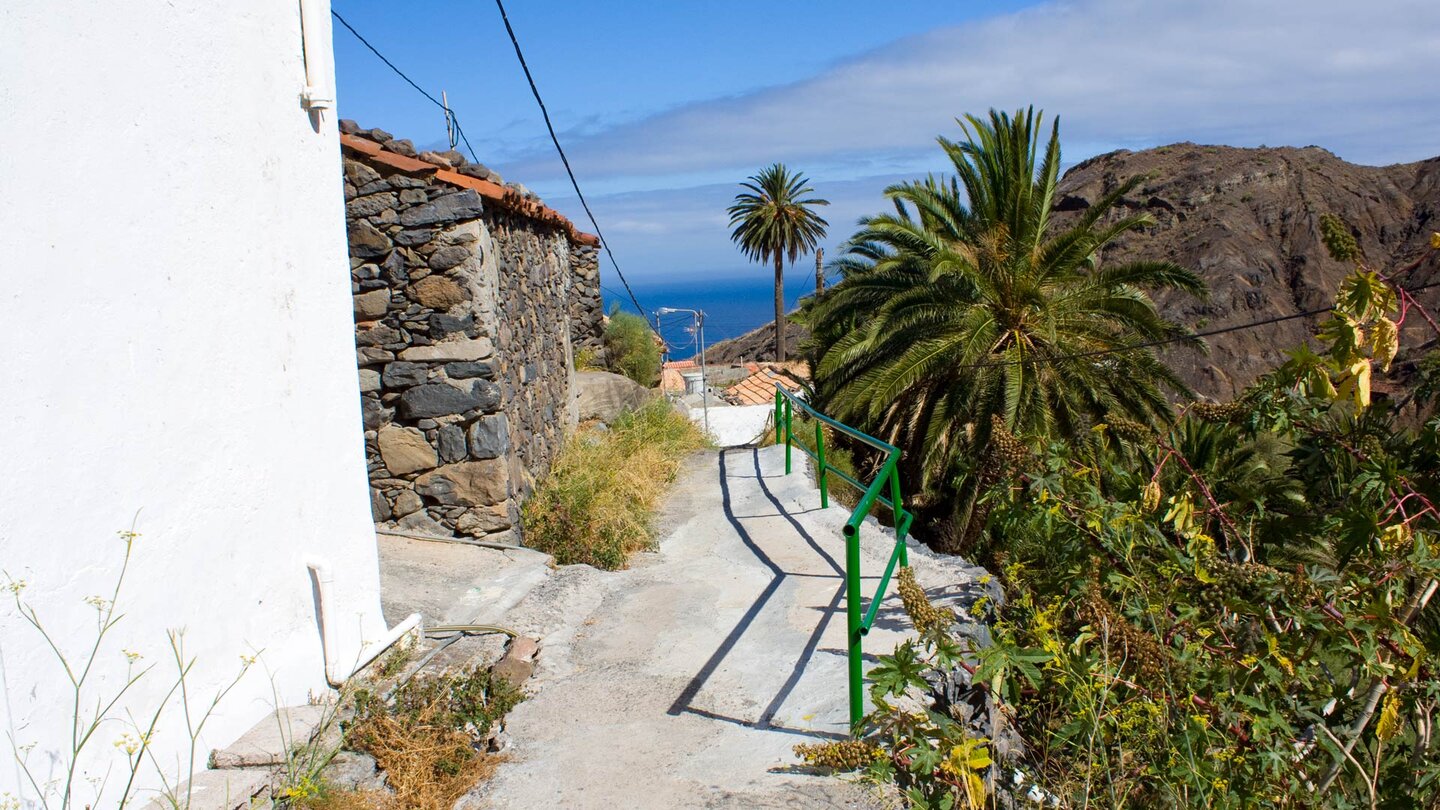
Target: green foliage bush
{"x":1234,"y":610}
{"x":631,"y":349}
{"x":596,"y":505}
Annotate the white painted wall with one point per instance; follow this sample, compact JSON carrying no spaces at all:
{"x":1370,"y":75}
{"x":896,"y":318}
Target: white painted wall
{"x":175,"y":312}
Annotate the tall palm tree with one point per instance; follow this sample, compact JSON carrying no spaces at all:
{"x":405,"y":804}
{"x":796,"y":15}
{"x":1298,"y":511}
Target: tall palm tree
{"x":773,"y":222}
{"x":970,"y":301}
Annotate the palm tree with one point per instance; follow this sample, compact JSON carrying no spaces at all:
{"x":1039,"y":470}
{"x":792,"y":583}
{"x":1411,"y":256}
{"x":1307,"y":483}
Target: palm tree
{"x":970,"y":301}
{"x":773,"y":222}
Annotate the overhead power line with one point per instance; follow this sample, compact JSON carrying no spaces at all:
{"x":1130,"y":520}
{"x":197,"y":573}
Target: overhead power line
{"x":1150,"y":344}
{"x":459,"y":130}
{"x":535,"y":91}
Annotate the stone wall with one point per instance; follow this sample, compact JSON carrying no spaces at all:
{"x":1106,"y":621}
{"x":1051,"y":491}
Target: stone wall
{"x":587,"y":313}
{"x":470,"y":299}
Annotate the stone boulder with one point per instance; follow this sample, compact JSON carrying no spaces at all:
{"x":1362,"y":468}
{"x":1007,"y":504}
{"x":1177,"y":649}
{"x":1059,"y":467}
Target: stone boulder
{"x":468,"y":483}
{"x":604,"y":396}
{"x":371,"y":306}
{"x":437,"y":292}
{"x":404,"y":450}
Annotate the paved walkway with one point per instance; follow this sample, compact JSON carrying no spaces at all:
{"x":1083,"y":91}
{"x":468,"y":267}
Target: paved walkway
{"x":685,"y":680}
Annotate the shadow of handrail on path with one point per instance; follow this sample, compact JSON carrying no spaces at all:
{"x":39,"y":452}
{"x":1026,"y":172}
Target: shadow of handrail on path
{"x":682,"y":704}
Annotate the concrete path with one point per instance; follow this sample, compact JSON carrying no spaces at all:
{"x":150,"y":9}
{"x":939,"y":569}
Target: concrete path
{"x":685,"y":680}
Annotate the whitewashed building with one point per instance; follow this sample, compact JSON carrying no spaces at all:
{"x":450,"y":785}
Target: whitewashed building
{"x":179,"y":351}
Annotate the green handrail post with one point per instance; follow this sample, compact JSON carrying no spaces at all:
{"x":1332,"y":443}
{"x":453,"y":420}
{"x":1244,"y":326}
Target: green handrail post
{"x":896,"y":513}
{"x":820,"y":462}
{"x":854,"y":632}
{"x":779,"y":404}
{"x":789,"y":415}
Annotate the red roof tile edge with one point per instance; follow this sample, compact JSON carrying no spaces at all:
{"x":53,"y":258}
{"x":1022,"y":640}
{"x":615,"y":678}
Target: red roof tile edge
{"x":506,"y":198}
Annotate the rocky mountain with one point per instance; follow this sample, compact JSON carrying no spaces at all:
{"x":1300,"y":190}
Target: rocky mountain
{"x":1247,"y":220}
{"x":757,"y":345}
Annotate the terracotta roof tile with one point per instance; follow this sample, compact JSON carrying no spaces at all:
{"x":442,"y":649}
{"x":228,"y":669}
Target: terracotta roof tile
{"x":487,"y":189}
{"x":759,"y":388}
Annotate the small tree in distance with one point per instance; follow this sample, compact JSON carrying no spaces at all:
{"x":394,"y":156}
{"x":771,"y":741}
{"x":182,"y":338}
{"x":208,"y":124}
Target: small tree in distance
{"x":630,"y":347}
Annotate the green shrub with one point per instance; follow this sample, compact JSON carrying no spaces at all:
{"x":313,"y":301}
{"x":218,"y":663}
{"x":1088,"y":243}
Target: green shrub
{"x":596,"y":505}
{"x":1234,"y":610}
{"x":631,"y":349}
{"x":588,"y":360}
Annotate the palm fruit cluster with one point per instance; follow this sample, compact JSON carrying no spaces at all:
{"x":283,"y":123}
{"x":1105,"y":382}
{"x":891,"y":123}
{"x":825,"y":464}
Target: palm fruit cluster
{"x":1142,"y":654}
{"x":1230,"y":579}
{"x":923,"y":615}
{"x":841,"y":755}
{"x":1216,"y":412}
{"x":1130,"y":430}
{"x":1005,"y":453}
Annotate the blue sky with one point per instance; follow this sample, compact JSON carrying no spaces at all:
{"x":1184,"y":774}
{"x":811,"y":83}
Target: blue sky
{"x":665,"y":106}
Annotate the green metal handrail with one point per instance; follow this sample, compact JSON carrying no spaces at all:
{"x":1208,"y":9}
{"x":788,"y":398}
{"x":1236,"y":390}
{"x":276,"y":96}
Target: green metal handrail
{"x":857,"y":623}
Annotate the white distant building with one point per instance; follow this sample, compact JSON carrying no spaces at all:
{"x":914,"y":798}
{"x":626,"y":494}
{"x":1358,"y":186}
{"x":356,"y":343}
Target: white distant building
{"x":176,"y":317}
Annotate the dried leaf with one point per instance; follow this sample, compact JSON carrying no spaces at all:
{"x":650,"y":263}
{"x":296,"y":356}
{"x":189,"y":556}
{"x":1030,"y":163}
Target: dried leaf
{"x":1389,"y":723}
{"x":1385,"y":342}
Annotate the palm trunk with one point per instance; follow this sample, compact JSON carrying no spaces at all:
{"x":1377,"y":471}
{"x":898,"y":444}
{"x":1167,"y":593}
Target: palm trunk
{"x":780,"y":308}
{"x":819,"y":271}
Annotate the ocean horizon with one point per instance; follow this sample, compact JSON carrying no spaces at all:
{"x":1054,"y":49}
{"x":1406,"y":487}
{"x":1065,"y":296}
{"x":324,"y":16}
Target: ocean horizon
{"x":733,"y":305}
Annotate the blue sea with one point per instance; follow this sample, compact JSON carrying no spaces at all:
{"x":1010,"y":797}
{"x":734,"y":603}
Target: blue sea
{"x":733,"y":305}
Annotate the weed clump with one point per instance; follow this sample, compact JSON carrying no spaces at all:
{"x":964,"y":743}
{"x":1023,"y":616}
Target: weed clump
{"x":428,"y":738}
{"x":596,"y":506}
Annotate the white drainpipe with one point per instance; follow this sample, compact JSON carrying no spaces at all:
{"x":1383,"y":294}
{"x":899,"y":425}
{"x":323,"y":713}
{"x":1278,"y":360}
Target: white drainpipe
{"x":319,"y":91}
{"x":337,"y":673}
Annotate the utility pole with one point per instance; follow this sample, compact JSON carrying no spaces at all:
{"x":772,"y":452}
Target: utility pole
{"x":700,"y":340}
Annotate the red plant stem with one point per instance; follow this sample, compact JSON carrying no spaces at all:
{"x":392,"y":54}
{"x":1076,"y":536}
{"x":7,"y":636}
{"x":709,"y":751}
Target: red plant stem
{"x":1204,"y":489}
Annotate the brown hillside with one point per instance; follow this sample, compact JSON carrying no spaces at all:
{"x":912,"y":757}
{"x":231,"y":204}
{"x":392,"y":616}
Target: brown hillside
{"x":758,"y":345}
{"x":1247,"y":220}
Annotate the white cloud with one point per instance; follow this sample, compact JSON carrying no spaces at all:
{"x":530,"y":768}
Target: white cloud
{"x":1359,"y":79}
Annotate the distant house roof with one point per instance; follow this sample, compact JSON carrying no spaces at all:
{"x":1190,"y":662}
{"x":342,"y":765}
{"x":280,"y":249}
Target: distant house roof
{"x":357,"y":143}
{"x":759,"y":388}
{"x":671,"y":378}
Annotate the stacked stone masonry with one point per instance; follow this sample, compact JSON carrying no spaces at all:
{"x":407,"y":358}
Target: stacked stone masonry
{"x":471,"y":299}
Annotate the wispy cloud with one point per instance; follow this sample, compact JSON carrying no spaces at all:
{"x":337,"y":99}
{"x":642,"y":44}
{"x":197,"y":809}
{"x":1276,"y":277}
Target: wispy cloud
{"x":1358,"y":79}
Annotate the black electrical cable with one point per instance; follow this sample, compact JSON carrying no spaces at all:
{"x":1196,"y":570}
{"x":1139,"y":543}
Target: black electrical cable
{"x":535,"y":91}
{"x":1153,"y":343}
{"x":398,"y":72}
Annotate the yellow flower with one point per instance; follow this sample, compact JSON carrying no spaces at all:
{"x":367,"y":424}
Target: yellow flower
{"x":132,"y":656}
{"x":128,"y":743}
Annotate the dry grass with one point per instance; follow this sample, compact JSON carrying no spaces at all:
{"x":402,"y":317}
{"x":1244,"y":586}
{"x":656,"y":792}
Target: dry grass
{"x":428,"y":763}
{"x":428,"y":739}
{"x":597,"y":504}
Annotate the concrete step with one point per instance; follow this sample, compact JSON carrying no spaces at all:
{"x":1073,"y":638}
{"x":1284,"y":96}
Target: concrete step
{"x":455,"y":583}
{"x":220,"y":790}
{"x":271,"y":740}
